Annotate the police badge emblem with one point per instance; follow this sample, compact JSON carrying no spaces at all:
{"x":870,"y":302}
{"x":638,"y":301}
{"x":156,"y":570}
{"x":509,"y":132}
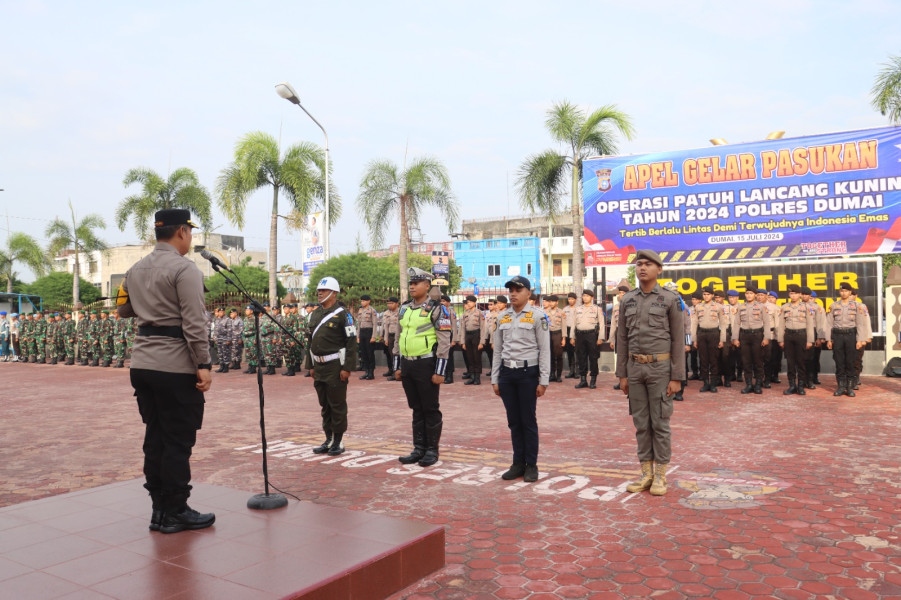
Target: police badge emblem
{"x":604,"y":179}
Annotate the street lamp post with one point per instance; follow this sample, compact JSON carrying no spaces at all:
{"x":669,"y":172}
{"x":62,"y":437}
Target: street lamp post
{"x":287,"y":92}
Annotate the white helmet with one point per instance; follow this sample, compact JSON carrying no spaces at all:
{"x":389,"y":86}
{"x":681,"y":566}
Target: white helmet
{"x":329,"y":283}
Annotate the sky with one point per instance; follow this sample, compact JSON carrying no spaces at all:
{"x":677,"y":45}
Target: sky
{"x":89,"y":90}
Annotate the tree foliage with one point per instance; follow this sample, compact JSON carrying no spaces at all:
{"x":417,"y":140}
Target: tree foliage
{"x":56,"y":290}
{"x":255,"y":279}
{"x":886,"y":92}
{"x":80,"y":238}
{"x":22,"y":248}
{"x":181,"y":189}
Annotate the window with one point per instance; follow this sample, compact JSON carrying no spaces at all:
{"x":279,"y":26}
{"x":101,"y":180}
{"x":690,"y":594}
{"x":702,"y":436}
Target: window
{"x":570,"y":263}
{"x":475,"y":245}
{"x":514,"y":243}
{"x":529,"y":269}
{"x":528,"y":243}
{"x":558,"y":268}
{"x":494,"y":270}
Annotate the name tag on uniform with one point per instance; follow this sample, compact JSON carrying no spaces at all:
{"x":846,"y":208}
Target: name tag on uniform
{"x":527,"y":321}
{"x":350,"y":330}
{"x":506,"y":320}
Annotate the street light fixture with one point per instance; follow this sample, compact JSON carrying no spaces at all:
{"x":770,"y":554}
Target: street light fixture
{"x":287,"y":92}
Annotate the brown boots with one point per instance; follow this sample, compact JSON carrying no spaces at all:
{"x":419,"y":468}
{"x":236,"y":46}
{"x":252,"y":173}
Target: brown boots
{"x":653,"y":478}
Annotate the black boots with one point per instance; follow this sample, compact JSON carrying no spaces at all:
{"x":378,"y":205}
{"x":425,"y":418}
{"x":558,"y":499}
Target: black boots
{"x":120,"y":364}
{"x":726,"y":382}
{"x":186,"y":518}
{"x":337,"y":446}
{"x":679,"y":394}
{"x":367,"y":375}
{"x":844,"y":387}
{"x":324,"y":446}
{"x":418,"y":444}
{"x":792,"y":388}
{"x":808,"y":385}
{"x":583,"y":383}
{"x":572,"y":374}
{"x":593,"y":382}
{"x":515,"y":471}
{"x":706,"y":386}
{"x":433,"y":437}
{"x":250,"y":370}
{"x":221,"y":368}
{"x":749,"y":388}
{"x":474,"y":379}
{"x":447,"y":378}
{"x":270,"y":370}
{"x":290,"y":371}
{"x":757,"y":386}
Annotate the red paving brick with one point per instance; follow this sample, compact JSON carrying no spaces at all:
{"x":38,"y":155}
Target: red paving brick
{"x":770,"y":496}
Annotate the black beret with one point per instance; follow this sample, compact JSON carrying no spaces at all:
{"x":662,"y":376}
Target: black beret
{"x":394,"y":298}
{"x":805,"y":290}
{"x":173,"y":216}
{"x":589,"y":292}
{"x":503,"y":300}
{"x":534,"y":297}
{"x":444,"y":297}
{"x":552,"y":298}
{"x":697,"y":295}
{"x":471,"y":298}
{"x":622,"y":288}
{"x":706,"y":290}
{"x":571,"y":295}
{"x":794,"y":288}
{"x":719,"y":293}
{"x":365,"y":297}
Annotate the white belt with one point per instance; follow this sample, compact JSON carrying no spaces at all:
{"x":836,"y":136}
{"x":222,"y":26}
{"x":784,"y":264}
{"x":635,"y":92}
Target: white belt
{"x":520,"y":364}
{"x":326,"y":358}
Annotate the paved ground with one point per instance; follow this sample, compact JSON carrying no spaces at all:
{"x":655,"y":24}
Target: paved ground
{"x":770,"y":496}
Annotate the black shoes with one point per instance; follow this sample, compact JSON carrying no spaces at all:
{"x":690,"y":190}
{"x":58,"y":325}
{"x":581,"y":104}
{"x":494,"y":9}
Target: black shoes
{"x":156,"y":518}
{"x":572,"y":375}
{"x":187,"y":518}
{"x":337,"y":446}
{"x":515,"y":471}
{"x":706,"y":386}
{"x":475,"y":379}
{"x":583,"y":383}
{"x":616,"y":387}
{"x":593,"y":382}
{"x":447,"y":378}
{"x":531,"y":474}
{"x":324,"y":446}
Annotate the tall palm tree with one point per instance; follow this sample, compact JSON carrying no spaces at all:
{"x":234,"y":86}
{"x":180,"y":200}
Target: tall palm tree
{"x":298,"y":175}
{"x":25,"y":249}
{"x":387,"y":192}
{"x":181,"y":189}
{"x":80,"y":237}
{"x":887,"y":90}
{"x":542,"y":177}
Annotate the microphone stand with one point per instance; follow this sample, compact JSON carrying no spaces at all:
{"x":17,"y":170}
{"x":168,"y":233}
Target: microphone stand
{"x":266,"y":500}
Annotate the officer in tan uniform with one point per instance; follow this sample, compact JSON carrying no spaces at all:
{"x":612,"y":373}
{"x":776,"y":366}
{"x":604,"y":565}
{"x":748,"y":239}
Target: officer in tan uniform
{"x":795,"y":333}
{"x":367,"y":321}
{"x":813,"y":355}
{"x":170,"y":367}
{"x":488,"y":330}
{"x":388,"y":330}
{"x":846,"y":333}
{"x":719,"y":296}
{"x":614,"y":319}
{"x":708,"y":331}
{"x":753,"y":324}
{"x":556,"y":319}
{"x":650,"y":348}
{"x":449,"y":370}
{"x":774,"y":361}
{"x":569,"y":333}
{"x":472,"y":332}
{"x":588,"y":328}
{"x":858,"y":358}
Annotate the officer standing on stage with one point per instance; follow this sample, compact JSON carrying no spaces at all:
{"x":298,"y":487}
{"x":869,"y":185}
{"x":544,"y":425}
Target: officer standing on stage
{"x":846,"y":333}
{"x":170,"y":367}
{"x":569,"y":334}
{"x":795,"y":333}
{"x":421,"y":350}
{"x":556,"y":319}
{"x":650,"y":348}
{"x":331,"y":357}
{"x":588,"y":319}
{"x":753,"y":323}
{"x":520,"y":374}
{"x":472,"y":332}
{"x":367,"y":319}
{"x":708,"y":331}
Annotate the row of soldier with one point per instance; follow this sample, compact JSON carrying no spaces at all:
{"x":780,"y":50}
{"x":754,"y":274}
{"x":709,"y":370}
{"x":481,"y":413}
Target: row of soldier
{"x":95,"y":338}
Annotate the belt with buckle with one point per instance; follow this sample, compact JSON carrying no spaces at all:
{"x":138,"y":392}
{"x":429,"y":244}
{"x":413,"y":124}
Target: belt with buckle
{"x":758,"y":330}
{"x":424,"y":356}
{"x":708,"y":329}
{"x":850,"y":330}
{"x":650,"y":358}
{"x":519,"y":364}
{"x":173,"y":331}
{"x":325,"y":358}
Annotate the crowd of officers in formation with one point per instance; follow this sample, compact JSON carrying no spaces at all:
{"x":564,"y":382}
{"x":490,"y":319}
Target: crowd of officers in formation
{"x":95,"y":338}
{"x":726,"y":340}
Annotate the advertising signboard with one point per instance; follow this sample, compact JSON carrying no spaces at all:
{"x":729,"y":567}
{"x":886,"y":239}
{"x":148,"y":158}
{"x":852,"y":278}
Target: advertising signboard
{"x":311,"y":238}
{"x":440,"y":263}
{"x":822,"y":195}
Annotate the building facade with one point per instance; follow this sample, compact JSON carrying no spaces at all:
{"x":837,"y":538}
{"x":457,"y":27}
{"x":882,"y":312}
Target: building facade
{"x":488,"y":264}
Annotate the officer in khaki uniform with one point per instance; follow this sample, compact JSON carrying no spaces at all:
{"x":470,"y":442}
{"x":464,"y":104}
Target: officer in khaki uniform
{"x":858,"y":358}
{"x":367,"y":321}
{"x":813,"y":356}
{"x":331,"y":356}
{"x":388,"y":328}
{"x":708,"y":331}
{"x":795,"y":333}
{"x":569,"y":333}
{"x":520,"y":374}
{"x":753,"y":324}
{"x":774,"y":362}
{"x":556,"y":319}
{"x":723,"y":356}
{"x":588,"y":334}
{"x":846,"y":333}
{"x":614,"y":319}
{"x":650,"y":349}
{"x":472,"y":330}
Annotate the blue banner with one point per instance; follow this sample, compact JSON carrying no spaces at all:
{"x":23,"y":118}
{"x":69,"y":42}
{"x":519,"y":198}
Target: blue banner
{"x":821,"y":195}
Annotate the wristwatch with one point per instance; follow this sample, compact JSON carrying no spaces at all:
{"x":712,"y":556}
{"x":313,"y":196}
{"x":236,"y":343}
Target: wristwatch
{"x":206,"y":366}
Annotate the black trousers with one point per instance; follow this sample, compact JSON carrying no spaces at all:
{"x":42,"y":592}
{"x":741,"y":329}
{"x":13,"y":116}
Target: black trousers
{"x":489,"y":353}
{"x":171,"y":408}
{"x":844,"y":350}
{"x":725,"y":358}
{"x":692,"y":356}
{"x":332,"y":395}
{"x":587,"y":352}
{"x":473,"y":354}
{"x":459,"y":348}
{"x":517,"y":388}
{"x":813,"y":361}
{"x":774,"y":362}
{"x":570,"y":350}
{"x":708,"y":353}
{"x":387,"y":348}
{"x":751,"y":353}
{"x":556,"y":352}
{"x":367,"y":352}
{"x":796,"y":354}
{"x":422,"y":394}
{"x":858,"y":361}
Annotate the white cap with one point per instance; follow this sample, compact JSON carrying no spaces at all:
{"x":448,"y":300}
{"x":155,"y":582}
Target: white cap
{"x":329,"y":283}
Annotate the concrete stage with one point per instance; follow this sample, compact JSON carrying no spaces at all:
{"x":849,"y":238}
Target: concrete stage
{"x":95,"y":544}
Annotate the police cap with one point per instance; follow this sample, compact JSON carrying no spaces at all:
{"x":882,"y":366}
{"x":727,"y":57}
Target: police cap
{"x":774,"y":294}
{"x":502,"y":300}
{"x":649,"y":255}
{"x":232,"y":310}
{"x":732,"y":293}
{"x":173,"y":216}
{"x":518,"y":281}
{"x":760,"y":291}
{"x":418,"y":275}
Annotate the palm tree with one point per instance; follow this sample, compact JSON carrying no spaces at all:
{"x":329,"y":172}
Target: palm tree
{"x":181,"y":189}
{"x":22,"y":248}
{"x":298,"y":175}
{"x":80,"y":237}
{"x":887,"y":90}
{"x":386,"y":191}
{"x":542,"y":177}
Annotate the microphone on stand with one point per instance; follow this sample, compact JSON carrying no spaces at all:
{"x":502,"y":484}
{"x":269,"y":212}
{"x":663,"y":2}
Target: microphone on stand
{"x":217,"y":264}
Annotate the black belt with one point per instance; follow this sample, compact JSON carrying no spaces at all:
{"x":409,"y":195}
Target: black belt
{"x":851,"y":330}
{"x":708,"y":329}
{"x":173,"y":331}
{"x":473,"y":331}
{"x":759,"y":330}
{"x":796,"y":331}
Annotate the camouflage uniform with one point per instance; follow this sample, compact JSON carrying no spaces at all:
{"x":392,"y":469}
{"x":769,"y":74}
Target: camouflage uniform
{"x":248,"y":332}
{"x":293,"y":350}
{"x":222,"y":331}
{"x":82,"y":339}
{"x":120,"y":341}
{"x":95,"y":332}
{"x":107,"y":327}
{"x":237,"y":339}
{"x":24,"y":337}
{"x":268,"y":344}
{"x":65,"y":346}
{"x":39,"y":339}
{"x":51,"y":339}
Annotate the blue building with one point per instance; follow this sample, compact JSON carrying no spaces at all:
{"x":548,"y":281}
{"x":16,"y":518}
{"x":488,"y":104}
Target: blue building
{"x":491,"y":263}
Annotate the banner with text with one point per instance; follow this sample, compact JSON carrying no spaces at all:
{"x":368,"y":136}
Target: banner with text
{"x":828,"y":194}
{"x":312,"y":242}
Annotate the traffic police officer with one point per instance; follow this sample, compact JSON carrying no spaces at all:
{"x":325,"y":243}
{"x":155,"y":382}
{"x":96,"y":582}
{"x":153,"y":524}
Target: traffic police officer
{"x":331,"y":357}
{"x":861,"y":350}
{"x":795,"y":333}
{"x":650,"y":348}
{"x":846,"y":333}
{"x":753,"y":323}
{"x":708,"y":330}
{"x":588,"y":328}
{"x":170,"y":366}
{"x":520,"y":373}
{"x":420,"y":351}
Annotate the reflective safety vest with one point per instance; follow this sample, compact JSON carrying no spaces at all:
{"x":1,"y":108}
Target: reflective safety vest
{"x":417,"y":334}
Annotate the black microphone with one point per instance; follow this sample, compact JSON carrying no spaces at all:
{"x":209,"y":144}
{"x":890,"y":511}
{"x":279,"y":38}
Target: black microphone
{"x":218,"y":264}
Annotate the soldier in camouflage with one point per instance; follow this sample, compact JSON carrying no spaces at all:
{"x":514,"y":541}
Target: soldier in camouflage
{"x":268,"y":341}
{"x":222,"y":334}
{"x":39,"y":337}
{"x":250,"y":341}
{"x":237,"y":338}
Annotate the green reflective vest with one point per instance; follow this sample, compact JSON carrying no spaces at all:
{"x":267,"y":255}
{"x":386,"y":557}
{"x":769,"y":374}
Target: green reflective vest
{"x":417,"y":333}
